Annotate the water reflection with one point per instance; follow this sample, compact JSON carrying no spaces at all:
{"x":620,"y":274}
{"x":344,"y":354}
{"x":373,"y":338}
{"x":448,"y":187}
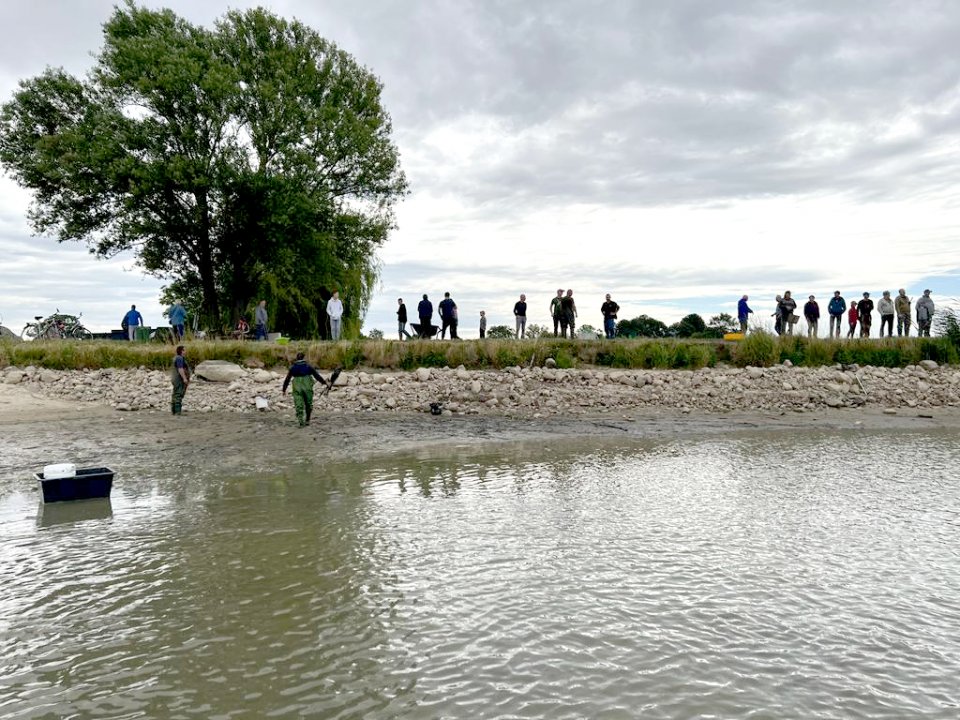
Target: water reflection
{"x":777,"y":573}
{"x":51,"y":514}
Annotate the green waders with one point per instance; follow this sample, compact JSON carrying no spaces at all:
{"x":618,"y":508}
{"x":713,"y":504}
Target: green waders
{"x":303,"y":398}
{"x":179,"y":390}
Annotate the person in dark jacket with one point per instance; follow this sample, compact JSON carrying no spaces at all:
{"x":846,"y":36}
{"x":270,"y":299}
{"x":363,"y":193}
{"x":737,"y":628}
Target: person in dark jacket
{"x":448,"y":316}
{"x":864,"y":308}
{"x":609,"y":310}
{"x":425,"y":312}
{"x":811,"y":311}
{"x":520,"y":315}
{"x":568,"y":318}
{"x":743,"y":313}
{"x":180,"y":377}
{"x":402,"y":319}
{"x":303,"y":376}
{"x":836,"y":308}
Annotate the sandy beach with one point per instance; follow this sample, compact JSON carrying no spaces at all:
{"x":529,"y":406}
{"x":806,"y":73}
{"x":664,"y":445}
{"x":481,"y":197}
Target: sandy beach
{"x":37,"y":429}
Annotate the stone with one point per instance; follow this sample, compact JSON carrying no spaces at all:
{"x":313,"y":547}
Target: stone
{"x":219,"y":371}
{"x":889,"y":411}
{"x":787,"y":363}
{"x":550,"y":362}
{"x":475,"y":387}
{"x":754,"y":373}
{"x":123,"y":407}
{"x":390,"y":402}
{"x":261,"y":376}
{"x":423,"y":374}
{"x":928,"y":364}
{"x":253,"y":362}
{"x":13,"y":378}
{"x":833,"y":402}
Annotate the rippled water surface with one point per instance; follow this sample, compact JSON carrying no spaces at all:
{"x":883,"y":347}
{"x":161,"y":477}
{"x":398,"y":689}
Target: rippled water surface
{"x":764,"y":576}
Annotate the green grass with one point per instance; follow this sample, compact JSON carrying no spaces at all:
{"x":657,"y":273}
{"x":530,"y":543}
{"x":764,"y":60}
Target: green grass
{"x":757,"y":348}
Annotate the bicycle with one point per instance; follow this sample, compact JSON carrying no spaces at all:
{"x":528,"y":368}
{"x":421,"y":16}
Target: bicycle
{"x":55,"y":327}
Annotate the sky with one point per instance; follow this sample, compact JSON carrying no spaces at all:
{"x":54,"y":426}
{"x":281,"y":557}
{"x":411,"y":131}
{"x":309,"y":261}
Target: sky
{"x":676,"y":154}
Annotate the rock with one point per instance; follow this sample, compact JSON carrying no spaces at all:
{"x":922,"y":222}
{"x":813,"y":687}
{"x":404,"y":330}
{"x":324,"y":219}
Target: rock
{"x":928,"y":364}
{"x":261,"y":376}
{"x":12,"y":378}
{"x":390,"y":402}
{"x":475,"y":387}
{"x":253,"y":362}
{"x":787,"y":363}
{"x":123,"y":407}
{"x":754,"y":373}
{"x":219,"y":371}
{"x":423,"y":374}
{"x":833,"y":402}
{"x":550,"y":362}
{"x":889,"y":411}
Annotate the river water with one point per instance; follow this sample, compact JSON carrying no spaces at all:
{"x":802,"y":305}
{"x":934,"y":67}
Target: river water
{"x":764,"y":576}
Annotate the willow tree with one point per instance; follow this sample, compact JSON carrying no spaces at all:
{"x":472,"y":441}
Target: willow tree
{"x":249,"y":159}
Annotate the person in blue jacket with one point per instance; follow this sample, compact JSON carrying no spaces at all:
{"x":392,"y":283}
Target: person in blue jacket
{"x":743,"y":311}
{"x":836,"y":308}
{"x":132,"y":320}
{"x":303,"y":376}
{"x":178,"y":316}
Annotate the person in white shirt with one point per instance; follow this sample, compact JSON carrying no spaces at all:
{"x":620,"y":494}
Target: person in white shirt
{"x":335,"y":311}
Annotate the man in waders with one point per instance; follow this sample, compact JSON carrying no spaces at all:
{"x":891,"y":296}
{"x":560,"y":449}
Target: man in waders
{"x":180,"y":377}
{"x":303,"y":376}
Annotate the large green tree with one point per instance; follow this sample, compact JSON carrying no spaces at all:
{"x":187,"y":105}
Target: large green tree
{"x":253,"y":159}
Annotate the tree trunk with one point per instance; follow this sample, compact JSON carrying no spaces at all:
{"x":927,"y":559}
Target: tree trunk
{"x":208,"y":283}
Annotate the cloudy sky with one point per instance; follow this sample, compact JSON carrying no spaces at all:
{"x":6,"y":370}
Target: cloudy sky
{"x":675,"y":153}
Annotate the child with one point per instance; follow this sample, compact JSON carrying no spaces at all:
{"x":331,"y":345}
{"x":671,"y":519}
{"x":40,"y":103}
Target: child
{"x":483,"y":324}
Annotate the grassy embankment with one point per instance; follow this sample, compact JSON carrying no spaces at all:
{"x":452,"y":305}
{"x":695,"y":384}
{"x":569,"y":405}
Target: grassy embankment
{"x":757,"y":349}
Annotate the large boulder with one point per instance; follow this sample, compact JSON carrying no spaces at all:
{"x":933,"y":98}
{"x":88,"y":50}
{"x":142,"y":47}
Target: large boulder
{"x":8,"y":334}
{"x":219,"y":371}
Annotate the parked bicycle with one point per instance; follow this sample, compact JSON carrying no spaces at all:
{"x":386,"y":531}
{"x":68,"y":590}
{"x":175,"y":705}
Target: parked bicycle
{"x":55,"y":327}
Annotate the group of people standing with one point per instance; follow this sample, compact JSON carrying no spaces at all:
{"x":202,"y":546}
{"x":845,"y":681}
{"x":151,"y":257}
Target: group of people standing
{"x":858,"y":313}
{"x":563,"y":310}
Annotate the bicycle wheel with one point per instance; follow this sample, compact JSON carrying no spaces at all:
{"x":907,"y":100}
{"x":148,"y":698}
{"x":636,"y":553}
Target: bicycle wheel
{"x":79,"y":332}
{"x":29,"y":331}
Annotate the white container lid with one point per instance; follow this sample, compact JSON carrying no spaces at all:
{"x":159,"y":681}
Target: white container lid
{"x":59,"y":470}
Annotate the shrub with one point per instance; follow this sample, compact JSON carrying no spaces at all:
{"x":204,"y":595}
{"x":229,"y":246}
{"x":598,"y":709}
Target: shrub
{"x":500,"y":332}
{"x":759,"y":348}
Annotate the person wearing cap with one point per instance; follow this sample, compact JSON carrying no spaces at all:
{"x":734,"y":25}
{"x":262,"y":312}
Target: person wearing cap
{"x":303,"y":376}
{"x":811,"y":311}
{"x":609,"y":309}
{"x":901,"y":304}
{"x":885,"y":308}
{"x":864,"y":308}
{"x":836,"y":309}
{"x":178,"y":316}
{"x":743,"y":313}
{"x":925,"y":310}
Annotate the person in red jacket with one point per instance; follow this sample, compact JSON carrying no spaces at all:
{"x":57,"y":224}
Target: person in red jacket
{"x":853,"y":315}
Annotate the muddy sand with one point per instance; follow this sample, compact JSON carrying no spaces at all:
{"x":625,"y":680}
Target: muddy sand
{"x":36,"y":430}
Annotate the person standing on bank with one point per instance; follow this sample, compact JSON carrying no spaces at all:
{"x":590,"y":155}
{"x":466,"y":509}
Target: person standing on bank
{"x":853,"y":315}
{"x":448,"y":317}
{"x":787,"y":306}
{"x":180,"y":377}
{"x":925,"y":310}
{"x":556,"y":311}
{"x":402,"y":319}
{"x":425,"y":312}
{"x":901,"y":304}
{"x":864,"y":308}
{"x":260,"y":321}
{"x":743,"y":313}
{"x":836,"y":309}
{"x":303,"y":376}
{"x":520,"y":313}
{"x":886,"y":309}
{"x":178,"y":316}
{"x":335,"y":313}
{"x":483,"y":324}
{"x":133,"y":319}
{"x":811,"y":311}
{"x":609,"y":309}
{"x":568,"y":318}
